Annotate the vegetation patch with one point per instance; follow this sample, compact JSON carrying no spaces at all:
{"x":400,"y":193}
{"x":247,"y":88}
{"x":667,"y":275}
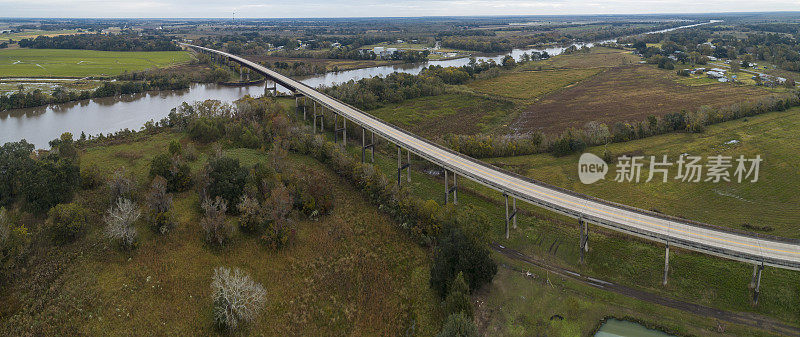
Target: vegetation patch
{"x":434,"y":116}
{"x":82,"y":63}
{"x":531,"y":84}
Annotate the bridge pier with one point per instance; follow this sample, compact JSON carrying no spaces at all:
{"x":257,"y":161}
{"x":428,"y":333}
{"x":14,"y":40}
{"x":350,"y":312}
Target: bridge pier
{"x":321,"y":117}
{"x":448,"y":189}
{"x":666,"y":265}
{"x":510,"y":217}
{"x":401,"y":166}
{"x":365,"y":146}
{"x":337,"y":129}
{"x":584,"y":243}
{"x":753,"y":278}
{"x":758,"y":284}
{"x":270,"y":91}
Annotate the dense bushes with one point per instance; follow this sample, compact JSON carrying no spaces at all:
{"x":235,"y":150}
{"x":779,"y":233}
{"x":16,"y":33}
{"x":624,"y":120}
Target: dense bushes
{"x":226,"y":179}
{"x":50,"y":181}
{"x":456,"y":253}
{"x":173,"y":169}
{"x":67,"y":222}
{"x":14,"y":243}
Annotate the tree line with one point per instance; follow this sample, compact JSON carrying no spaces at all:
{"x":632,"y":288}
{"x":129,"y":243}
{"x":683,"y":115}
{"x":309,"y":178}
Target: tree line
{"x":122,"y":42}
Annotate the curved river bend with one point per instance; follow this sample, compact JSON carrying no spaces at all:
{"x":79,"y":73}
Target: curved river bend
{"x":107,"y":115}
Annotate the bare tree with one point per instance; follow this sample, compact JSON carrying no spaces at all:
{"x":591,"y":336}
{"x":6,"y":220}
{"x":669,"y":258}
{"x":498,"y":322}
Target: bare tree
{"x":119,"y":222}
{"x":237,"y":298}
{"x":214,"y":221}
{"x":120,"y":185}
{"x":160,"y":204}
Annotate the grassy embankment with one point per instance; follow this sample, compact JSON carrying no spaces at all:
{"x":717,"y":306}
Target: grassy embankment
{"x":349,"y":273}
{"x":694,"y":277}
{"x":82,"y":63}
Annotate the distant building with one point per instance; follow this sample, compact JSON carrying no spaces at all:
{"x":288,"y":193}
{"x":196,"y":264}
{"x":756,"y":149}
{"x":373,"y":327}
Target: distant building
{"x":715,"y":74}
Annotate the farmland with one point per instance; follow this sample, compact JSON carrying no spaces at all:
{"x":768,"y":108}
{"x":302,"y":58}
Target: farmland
{"x":82,"y":63}
{"x":629,"y":93}
{"x":350,"y":272}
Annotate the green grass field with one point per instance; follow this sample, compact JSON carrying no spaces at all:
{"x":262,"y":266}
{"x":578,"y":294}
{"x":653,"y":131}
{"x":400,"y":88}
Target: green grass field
{"x":82,"y":63}
{"x":349,"y":273}
{"x":621,"y":259}
{"x":772,"y":202}
{"x":529,"y":85}
{"x":452,"y":113}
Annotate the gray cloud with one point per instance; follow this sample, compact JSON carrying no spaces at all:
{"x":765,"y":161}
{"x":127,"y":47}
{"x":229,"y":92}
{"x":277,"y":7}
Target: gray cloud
{"x":361,"y":8}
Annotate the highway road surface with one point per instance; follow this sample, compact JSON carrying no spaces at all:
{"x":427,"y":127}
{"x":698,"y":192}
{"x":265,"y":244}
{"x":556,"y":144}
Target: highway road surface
{"x":738,"y":245}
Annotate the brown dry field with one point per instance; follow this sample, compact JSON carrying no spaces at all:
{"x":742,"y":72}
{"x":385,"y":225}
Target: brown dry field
{"x":629,"y":93}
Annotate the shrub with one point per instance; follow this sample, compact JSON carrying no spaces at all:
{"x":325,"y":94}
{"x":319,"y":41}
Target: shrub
{"x":91,"y":177}
{"x":119,"y":223}
{"x":14,"y":242}
{"x":15,"y":162}
{"x":457,"y":300}
{"x":121,"y":185}
{"x":456,"y":253}
{"x":213,"y":222}
{"x":159,"y":203}
{"x":49,"y":182}
{"x":314,"y":197}
{"x":206,"y":129}
{"x":226,"y":179}
{"x":190,"y":152}
{"x":458,"y":325}
{"x":175,"y":148}
{"x":279,"y":205}
{"x":67,"y":222}
{"x":252,"y":218}
{"x":237,"y":298}
{"x":173,"y":169}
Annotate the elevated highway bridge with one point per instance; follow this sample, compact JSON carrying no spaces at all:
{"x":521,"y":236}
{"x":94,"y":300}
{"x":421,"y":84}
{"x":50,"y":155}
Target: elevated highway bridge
{"x":757,"y":249}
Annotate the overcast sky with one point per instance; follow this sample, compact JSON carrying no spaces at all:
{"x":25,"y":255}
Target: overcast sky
{"x":361,"y":8}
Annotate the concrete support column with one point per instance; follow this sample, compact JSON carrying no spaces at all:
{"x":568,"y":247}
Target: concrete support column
{"x":344,"y":132}
{"x":753,"y":278}
{"x":582,"y":247}
{"x":455,"y":188}
{"x":364,"y":145}
{"x":408,"y":165}
{"x":508,"y":234}
{"x":666,"y":265}
{"x":446,"y":189}
{"x":758,"y":284}
{"x":399,"y":165}
{"x":514,"y":201}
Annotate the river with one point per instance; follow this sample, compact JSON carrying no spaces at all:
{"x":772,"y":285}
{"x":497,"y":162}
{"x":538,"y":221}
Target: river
{"x":105,"y":115}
